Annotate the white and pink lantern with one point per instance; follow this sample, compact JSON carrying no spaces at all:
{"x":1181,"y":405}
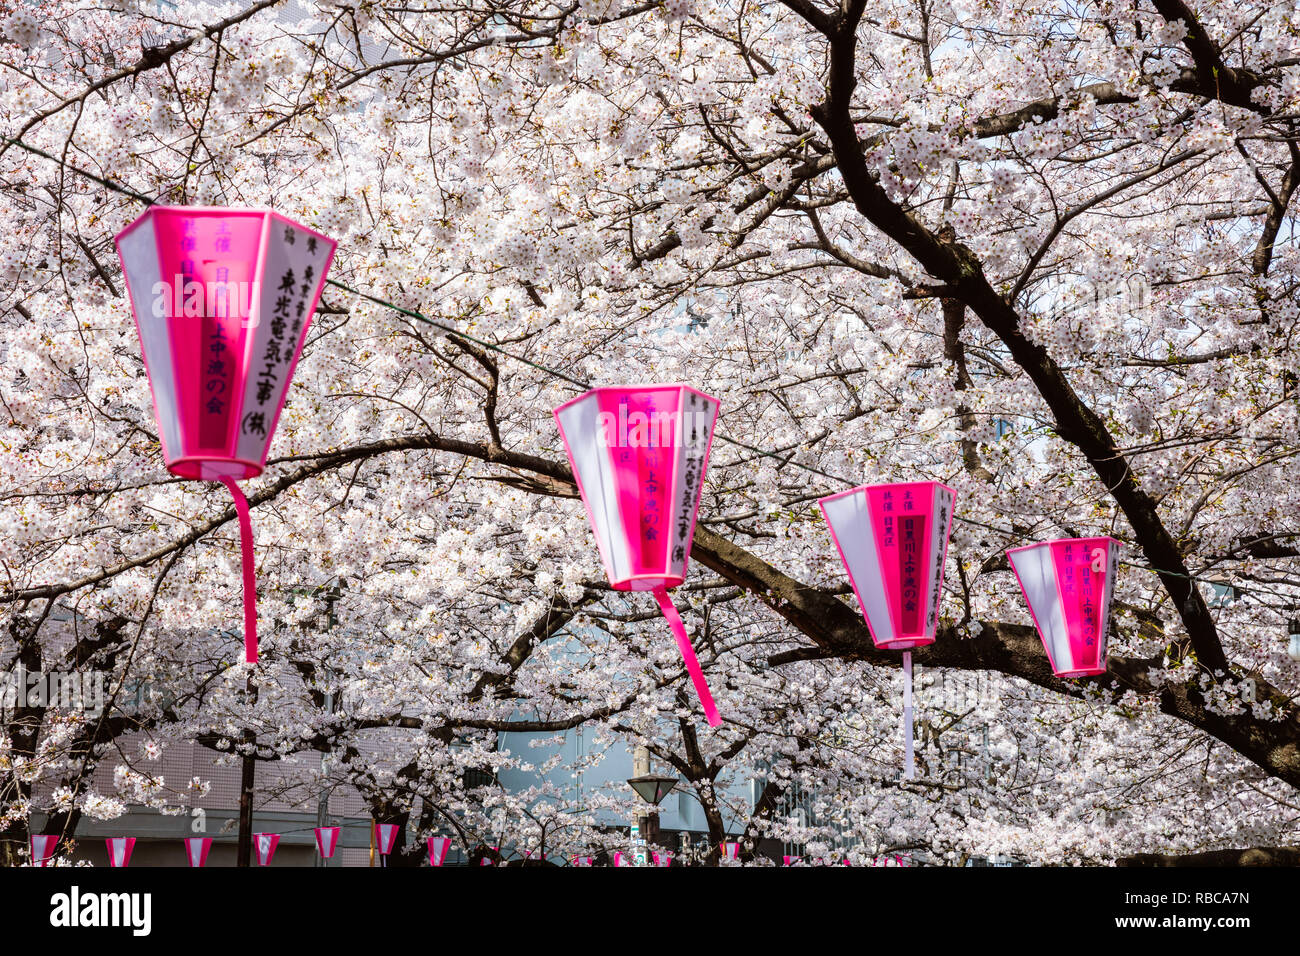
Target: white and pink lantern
{"x":385,"y":837}
{"x":639,"y":454}
{"x":119,"y":850}
{"x":790,"y":860}
{"x":42,"y":847}
{"x":893,"y":540}
{"x":1068,"y":585}
{"x":223,"y":299}
{"x":730,"y":851}
{"x":327,"y":839}
{"x":264,"y":844}
{"x":582,"y":861}
{"x":196,"y":850}
{"x":438,"y":847}
{"x":663,"y":859}
{"x":621,"y":860}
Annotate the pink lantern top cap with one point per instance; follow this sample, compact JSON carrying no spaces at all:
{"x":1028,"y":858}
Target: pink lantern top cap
{"x":892,"y":485}
{"x":638,"y":387}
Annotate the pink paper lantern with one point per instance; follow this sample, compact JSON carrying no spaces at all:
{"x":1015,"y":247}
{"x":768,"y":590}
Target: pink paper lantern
{"x":1068,"y":585}
{"x":119,"y":850}
{"x":438,"y":847}
{"x":582,"y":861}
{"x":639,"y":454}
{"x":730,"y":851}
{"x":327,"y":838}
{"x":42,"y":848}
{"x":223,"y":299}
{"x":196,"y":850}
{"x":489,"y":861}
{"x":893,"y":540}
{"x":663,"y":859}
{"x":790,"y":860}
{"x":385,"y":837}
{"x":621,"y":860}
{"x":265,"y":844}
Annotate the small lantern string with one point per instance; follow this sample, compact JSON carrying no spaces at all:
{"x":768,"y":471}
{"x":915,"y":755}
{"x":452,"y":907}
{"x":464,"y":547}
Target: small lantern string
{"x":249,"y":568}
{"x":688,"y":655}
{"x":909,"y":762}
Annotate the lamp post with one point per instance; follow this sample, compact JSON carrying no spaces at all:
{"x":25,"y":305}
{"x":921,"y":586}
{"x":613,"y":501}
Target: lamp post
{"x":1293,"y":632}
{"x":331,"y":706}
{"x":652,"y":788}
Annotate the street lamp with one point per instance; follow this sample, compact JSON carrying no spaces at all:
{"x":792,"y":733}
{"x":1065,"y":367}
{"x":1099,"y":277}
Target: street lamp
{"x":1293,"y":631}
{"x":653,"y":787}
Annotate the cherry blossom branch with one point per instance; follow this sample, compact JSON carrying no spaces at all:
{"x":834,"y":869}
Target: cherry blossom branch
{"x":957,"y":266}
{"x":151,"y":59}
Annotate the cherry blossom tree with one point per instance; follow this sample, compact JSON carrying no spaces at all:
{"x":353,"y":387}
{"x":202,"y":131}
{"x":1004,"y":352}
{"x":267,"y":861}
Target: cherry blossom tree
{"x":1042,"y":251}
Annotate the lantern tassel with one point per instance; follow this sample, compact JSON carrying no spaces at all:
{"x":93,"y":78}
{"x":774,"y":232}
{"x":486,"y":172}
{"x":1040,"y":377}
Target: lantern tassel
{"x":688,"y":655}
{"x":909,"y":763}
{"x":250,"y":573}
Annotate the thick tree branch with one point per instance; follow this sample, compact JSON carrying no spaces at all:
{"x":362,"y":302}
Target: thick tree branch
{"x":958,"y":267}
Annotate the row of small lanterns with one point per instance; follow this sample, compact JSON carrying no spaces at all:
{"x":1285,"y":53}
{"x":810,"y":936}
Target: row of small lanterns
{"x":42,"y":848}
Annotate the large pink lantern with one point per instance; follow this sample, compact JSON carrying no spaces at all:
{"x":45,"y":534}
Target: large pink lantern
{"x":222,"y":299}
{"x":639,"y":454}
{"x":196,"y":850}
{"x":893,"y":540}
{"x":119,"y":850}
{"x":438,"y":850}
{"x":1068,"y":584}
{"x":42,"y":848}
{"x":582,"y":861}
{"x":265,"y":844}
{"x":663,"y":859}
{"x":327,"y":839}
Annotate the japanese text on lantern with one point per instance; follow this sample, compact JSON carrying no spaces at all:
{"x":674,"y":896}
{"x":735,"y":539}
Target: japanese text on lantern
{"x":696,"y":416}
{"x":295,"y":284}
{"x":1078,"y":587}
